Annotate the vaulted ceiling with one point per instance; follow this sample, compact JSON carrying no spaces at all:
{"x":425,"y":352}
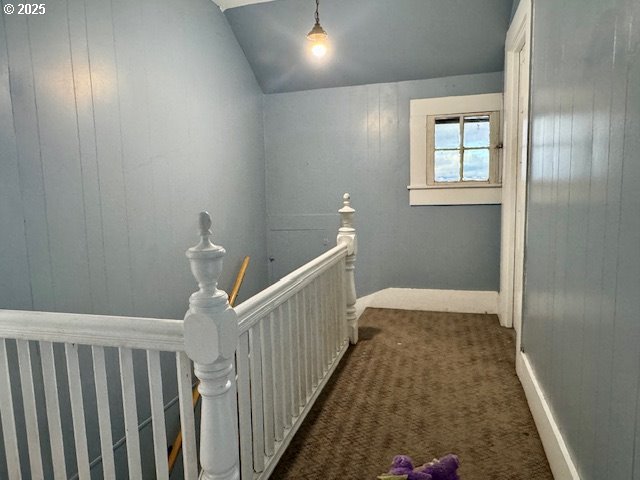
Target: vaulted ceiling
{"x":372,"y":41}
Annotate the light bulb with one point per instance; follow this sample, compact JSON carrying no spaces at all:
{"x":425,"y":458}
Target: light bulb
{"x":319,"y":49}
{"x":318,"y":38}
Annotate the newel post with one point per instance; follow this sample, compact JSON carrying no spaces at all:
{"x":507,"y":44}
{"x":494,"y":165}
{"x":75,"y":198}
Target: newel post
{"x":347,"y":234}
{"x":211,"y":338}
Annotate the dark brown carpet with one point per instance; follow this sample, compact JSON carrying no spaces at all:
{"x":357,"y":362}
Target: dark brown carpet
{"x":423,"y":384}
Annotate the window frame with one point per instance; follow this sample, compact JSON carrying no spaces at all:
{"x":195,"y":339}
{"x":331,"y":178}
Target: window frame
{"x":494,"y":155}
{"x":423,"y":190}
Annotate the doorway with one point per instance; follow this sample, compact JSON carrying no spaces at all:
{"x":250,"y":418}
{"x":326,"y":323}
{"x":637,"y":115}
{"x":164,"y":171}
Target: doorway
{"x":515,"y":164}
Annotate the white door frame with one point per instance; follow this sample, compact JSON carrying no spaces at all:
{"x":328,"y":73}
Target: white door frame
{"x":516,"y":106}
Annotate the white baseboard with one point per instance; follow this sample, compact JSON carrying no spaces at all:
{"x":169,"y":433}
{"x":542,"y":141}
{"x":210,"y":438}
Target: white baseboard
{"x":463,"y":301}
{"x":558,"y":455}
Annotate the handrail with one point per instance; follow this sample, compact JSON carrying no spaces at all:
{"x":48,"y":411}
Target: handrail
{"x":104,"y":330}
{"x":232,"y":363}
{"x":233,"y":295}
{"x":252,"y":310}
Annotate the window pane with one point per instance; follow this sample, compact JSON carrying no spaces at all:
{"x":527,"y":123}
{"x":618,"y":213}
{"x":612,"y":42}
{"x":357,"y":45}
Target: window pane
{"x":447,"y":132}
{"x":476,"y":165}
{"x":446,"y":166}
{"x":476,"y":131}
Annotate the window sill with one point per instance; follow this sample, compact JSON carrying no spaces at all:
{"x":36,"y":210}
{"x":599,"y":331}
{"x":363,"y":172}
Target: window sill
{"x":467,"y":195}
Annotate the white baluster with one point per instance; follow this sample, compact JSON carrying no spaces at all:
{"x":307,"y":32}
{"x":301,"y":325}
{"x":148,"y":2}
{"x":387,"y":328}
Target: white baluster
{"x":187,"y":420}
{"x":339,"y":323}
{"x":300,"y":347}
{"x":30,"y":413}
{"x":257,"y":406}
{"x":295,"y":356}
{"x":335,"y":309}
{"x":244,"y":406}
{"x":77,"y":411}
{"x":104,"y":412}
{"x":211,"y":339}
{"x":130,"y":409}
{"x":317,"y":340}
{"x":266,"y":347}
{"x":156,"y":400}
{"x":327,"y":317}
{"x":278,"y":375}
{"x":54,"y":421}
{"x":287,"y":383}
{"x":347,"y":235}
{"x":322,"y":322}
{"x":7,"y":416}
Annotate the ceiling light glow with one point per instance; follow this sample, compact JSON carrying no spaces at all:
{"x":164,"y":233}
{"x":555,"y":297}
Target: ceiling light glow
{"x":317,"y":36}
{"x":319,"y":50}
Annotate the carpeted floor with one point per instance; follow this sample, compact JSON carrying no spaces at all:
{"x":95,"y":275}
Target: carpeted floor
{"x":423,"y":384}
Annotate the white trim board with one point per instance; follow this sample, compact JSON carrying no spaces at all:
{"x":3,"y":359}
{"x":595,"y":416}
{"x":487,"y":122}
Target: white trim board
{"x":423,"y":189}
{"x":224,"y":4}
{"x":463,"y":301}
{"x":560,"y":461}
{"x":513,"y":211}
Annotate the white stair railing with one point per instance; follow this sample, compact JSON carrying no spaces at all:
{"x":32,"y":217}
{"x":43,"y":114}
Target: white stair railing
{"x":284,"y":342}
{"x":261,"y":366}
{"x":70,"y":356}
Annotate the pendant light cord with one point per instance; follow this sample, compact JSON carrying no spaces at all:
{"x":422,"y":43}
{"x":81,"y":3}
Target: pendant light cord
{"x":317,"y":14}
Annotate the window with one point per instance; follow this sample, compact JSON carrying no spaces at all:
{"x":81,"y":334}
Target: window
{"x":455,"y":150}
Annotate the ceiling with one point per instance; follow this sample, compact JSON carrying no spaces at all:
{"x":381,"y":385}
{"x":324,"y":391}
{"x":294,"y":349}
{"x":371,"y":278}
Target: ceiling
{"x":372,"y":41}
{"x":224,"y":4}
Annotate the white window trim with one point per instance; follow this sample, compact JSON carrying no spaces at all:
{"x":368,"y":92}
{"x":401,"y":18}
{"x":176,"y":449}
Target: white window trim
{"x":420,"y":192}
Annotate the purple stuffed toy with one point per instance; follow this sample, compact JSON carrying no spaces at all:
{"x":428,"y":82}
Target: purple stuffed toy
{"x":403,"y":465}
{"x":443,"y":469}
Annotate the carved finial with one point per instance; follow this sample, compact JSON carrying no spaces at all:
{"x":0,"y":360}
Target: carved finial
{"x":204,"y":222}
{"x":206,"y":263}
{"x":346,"y":212}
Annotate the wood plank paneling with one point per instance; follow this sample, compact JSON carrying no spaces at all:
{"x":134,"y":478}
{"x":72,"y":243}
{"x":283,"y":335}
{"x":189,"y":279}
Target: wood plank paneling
{"x":138,"y":173}
{"x":25,"y":121}
{"x":356,"y":139}
{"x":60,"y":157}
{"x":103,"y":106}
{"x":581,"y":328}
{"x":108,"y":132}
{"x":85,"y":124}
{"x":112,"y":117}
{"x":14,"y":265}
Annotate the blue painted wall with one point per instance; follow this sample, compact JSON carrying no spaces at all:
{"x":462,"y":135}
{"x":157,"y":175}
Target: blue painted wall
{"x":115,"y":132}
{"x":119,"y":122}
{"x":582,"y":298}
{"x":514,"y":7}
{"x":322,"y":143}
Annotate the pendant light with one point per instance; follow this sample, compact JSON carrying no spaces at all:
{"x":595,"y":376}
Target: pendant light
{"x":317,"y":36}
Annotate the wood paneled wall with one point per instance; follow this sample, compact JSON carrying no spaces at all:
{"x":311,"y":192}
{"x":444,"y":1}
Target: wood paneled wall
{"x":322,"y":143}
{"x":119,"y":122}
{"x":582,"y":293}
